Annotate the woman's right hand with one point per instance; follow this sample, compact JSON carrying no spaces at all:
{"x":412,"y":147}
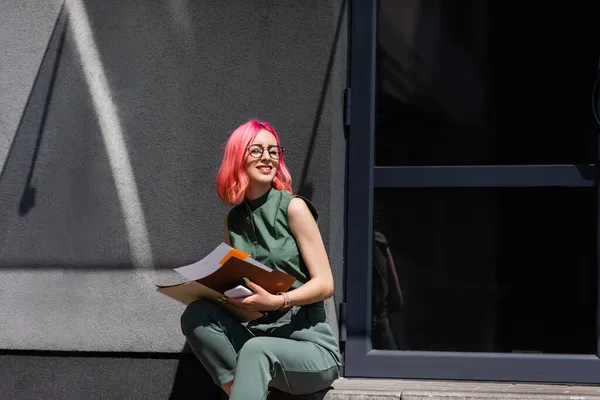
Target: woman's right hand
{"x":260,"y":300}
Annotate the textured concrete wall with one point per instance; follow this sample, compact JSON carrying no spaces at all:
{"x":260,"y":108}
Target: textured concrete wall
{"x":109,"y":182}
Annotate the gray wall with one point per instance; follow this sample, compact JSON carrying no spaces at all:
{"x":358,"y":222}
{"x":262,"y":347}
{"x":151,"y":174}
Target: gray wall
{"x":103,"y":378}
{"x":109,"y":153}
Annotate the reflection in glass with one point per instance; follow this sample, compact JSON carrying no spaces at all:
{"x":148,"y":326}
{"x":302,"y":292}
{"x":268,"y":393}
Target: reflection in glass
{"x":387,"y":300}
{"x":485,"y":82}
{"x":485,"y":270}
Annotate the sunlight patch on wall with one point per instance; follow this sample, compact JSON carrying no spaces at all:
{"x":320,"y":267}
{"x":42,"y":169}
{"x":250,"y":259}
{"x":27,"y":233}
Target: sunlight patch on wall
{"x":112,"y":135}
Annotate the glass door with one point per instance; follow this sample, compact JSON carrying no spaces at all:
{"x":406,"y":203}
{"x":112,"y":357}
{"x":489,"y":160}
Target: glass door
{"x":473,"y":196}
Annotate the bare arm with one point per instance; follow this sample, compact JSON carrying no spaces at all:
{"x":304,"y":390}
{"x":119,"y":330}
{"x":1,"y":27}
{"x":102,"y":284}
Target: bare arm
{"x":305,"y":230}
{"x":318,"y":288}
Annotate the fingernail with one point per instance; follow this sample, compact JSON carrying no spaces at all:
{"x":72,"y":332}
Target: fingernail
{"x":246,"y":279}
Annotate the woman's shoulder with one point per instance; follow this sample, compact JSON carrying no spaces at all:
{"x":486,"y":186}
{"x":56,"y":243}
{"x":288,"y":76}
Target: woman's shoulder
{"x":297,"y":205}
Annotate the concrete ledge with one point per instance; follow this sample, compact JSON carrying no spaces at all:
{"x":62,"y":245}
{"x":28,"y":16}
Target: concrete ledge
{"x":419,"y":395}
{"x":70,"y":377}
{"x":388,"y":389}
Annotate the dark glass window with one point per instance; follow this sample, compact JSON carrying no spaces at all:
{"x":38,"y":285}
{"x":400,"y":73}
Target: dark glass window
{"x":485,"y":270}
{"x":473,"y":82}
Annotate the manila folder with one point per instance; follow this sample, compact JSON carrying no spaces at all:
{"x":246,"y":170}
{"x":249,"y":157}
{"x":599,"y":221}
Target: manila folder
{"x":189,"y":292}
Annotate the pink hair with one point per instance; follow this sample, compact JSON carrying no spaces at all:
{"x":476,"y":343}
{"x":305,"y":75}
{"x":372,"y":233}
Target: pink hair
{"x":232,"y":180}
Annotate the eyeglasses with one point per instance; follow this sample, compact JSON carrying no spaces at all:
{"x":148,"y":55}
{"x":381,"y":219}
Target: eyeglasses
{"x":256,"y":151}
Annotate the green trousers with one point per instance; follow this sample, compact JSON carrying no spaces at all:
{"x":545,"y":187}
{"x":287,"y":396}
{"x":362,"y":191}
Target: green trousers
{"x":230,"y":351}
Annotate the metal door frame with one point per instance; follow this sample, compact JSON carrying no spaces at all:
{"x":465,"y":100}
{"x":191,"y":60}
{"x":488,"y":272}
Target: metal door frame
{"x":363,"y":177}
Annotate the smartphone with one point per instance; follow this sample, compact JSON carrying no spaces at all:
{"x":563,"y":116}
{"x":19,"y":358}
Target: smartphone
{"x":238,"y":291}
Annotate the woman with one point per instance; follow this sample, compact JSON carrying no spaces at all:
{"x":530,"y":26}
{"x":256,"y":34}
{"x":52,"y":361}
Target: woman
{"x":291,"y":348}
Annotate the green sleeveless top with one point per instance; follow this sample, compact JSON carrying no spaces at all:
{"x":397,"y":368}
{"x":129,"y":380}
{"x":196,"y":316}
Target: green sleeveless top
{"x":261,"y":228}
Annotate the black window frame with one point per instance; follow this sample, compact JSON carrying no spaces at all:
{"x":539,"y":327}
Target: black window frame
{"x":363,"y":177}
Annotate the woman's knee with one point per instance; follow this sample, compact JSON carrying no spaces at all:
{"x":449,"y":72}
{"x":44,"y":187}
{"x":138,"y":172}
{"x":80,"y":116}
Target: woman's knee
{"x":255,"y":348}
{"x":196,"y":314}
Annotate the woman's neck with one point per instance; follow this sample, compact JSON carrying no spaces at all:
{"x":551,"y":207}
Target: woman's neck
{"x":254,"y":191}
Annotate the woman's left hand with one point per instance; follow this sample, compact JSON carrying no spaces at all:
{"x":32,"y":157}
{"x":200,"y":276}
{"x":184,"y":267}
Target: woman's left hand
{"x":261,"y":300}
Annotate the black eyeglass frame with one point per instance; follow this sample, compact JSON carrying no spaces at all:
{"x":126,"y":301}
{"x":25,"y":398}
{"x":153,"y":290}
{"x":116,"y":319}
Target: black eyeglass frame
{"x":268,"y":148}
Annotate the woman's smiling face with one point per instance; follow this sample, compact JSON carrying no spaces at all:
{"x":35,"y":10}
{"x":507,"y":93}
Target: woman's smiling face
{"x":262,"y":158}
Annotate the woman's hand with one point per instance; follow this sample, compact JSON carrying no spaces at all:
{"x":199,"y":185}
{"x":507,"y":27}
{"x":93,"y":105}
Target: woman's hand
{"x":261,"y":300}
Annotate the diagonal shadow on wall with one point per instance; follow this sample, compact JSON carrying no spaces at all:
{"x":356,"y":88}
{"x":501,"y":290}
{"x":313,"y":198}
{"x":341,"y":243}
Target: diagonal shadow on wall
{"x":33,"y":115}
{"x":55,"y":165}
{"x":305,"y":187}
{"x":58,"y":35}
